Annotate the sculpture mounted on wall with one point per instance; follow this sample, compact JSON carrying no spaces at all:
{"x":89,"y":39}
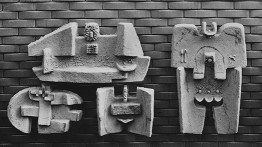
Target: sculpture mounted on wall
{"x":92,"y":58}
{"x":51,"y":107}
{"x":136,"y":113}
{"x":209,"y":71}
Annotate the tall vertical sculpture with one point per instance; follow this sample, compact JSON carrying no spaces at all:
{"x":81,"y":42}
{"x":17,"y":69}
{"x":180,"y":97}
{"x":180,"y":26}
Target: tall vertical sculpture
{"x":209,"y":71}
{"x":92,"y":58}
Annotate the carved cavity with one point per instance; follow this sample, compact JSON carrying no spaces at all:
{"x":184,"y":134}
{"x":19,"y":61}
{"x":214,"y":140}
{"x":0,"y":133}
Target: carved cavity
{"x":126,"y":63}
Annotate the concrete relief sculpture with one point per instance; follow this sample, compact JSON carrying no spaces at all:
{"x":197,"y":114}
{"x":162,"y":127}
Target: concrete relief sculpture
{"x":92,"y":58}
{"x":209,"y":71}
{"x":52,"y":108}
{"x":135,"y":113}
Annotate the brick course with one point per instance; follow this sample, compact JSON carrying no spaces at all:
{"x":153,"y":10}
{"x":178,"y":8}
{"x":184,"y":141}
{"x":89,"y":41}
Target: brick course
{"x":24,"y":21}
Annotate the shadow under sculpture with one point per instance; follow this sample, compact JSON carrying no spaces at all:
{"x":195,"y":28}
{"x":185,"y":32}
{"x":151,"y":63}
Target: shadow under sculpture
{"x":67,"y":57}
{"x":209,"y":72}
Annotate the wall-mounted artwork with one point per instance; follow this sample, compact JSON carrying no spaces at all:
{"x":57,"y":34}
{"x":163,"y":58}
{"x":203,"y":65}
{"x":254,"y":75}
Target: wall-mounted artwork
{"x":92,"y":58}
{"x":209,"y":72}
{"x":133,"y":113}
{"x":52,"y":108}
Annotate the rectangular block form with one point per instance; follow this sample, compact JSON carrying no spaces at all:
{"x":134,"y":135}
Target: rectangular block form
{"x":85,"y":5}
{"x":118,"y":5}
{"x":48,"y":6}
{"x":141,"y":124}
{"x":184,"y":5}
{"x":249,"y":21}
{"x":151,"y":22}
{"x":134,"y":14}
{"x":233,"y":13}
{"x":248,"y":5}
{"x":101,"y":14}
{"x":50,"y":22}
{"x":126,"y":109}
{"x":8,"y":15}
{"x":34,"y":15}
{"x":18,"y":23}
{"x":151,"y":5}
{"x":217,"y":5}
{"x":200,"y":13}
{"x":167,"y":13}
{"x":92,"y":49}
{"x":68,"y":14}
{"x":175,"y":21}
{"x":19,"y":7}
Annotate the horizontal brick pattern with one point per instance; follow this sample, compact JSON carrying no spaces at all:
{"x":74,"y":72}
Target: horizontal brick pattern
{"x":24,"y":21}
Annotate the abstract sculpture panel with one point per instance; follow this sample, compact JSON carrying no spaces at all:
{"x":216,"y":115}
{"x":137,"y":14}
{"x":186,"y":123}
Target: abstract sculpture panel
{"x":92,"y":58}
{"x":209,"y":72}
{"x":51,"y":107}
{"x":118,"y":112}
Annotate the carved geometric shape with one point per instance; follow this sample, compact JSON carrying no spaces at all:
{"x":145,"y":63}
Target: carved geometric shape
{"x":92,"y":49}
{"x":230,"y":40}
{"x":128,"y":43}
{"x":48,"y":61}
{"x":212,"y":74}
{"x":143,"y":103}
{"x":32,"y":111}
{"x":91,"y":31}
{"x":56,"y":126}
{"x":125,"y":108}
{"x":82,"y":66}
{"x":62,"y":42}
{"x":53,"y":116}
{"x":126,"y":64}
{"x":125,"y":121}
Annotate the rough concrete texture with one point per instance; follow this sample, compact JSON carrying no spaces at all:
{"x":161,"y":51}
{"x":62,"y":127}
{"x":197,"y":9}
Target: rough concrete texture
{"x":125,"y":108}
{"x":62,"y":42}
{"x":54,"y":115}
{"x":98,"y":59}
{"x":209,"y":69}
{"x":138,"y":121}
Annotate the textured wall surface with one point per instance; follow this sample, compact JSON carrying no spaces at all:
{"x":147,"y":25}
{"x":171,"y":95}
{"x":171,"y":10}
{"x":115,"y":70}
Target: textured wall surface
{"x":24,"y":21}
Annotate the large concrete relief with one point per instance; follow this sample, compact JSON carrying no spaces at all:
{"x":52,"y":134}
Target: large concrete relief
{"x":92,"y":58}
{"x":209,"y":72}
{"x":133,"y":113}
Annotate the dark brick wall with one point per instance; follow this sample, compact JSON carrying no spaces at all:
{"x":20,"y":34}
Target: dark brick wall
{"x":24,"y":21}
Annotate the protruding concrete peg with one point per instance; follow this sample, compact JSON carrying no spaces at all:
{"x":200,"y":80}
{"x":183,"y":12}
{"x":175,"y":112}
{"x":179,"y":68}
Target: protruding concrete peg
{"x":183,"y":55}
{"x":91,"y":31}
{"x":209,"y":32}
{"x":45,"y":111}
{"x":210,"y":57}
{"x":125,"y":93}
